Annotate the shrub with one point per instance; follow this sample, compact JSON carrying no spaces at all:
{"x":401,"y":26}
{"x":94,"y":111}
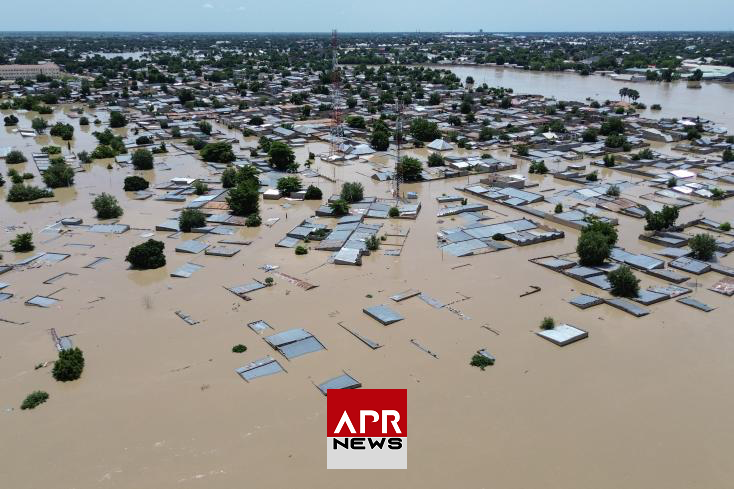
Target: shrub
{"x":147,"y":256}
{"x":523,"y":150}
{"x":190,"y":219}
{"x":106,"y":206}
{"x":703,"y":246}
{"x":83,"y":121}
{"x":615,"y":141}
{"x":481,"y":361}
{"x":547,"y":323}
{"x":435,"y":159}
{"x":301,"y":250}
{"x":220,"y":152}
{"x":143,"y":140}
{"x":672,"y":182}
{"x":69,"y":366}
{"x":662,"y":219}
{"x":39,"y":125}
{"x":717,"y":193}
{"x":288,"y":185}
{"x":340,"y":207}
{"x":253,"y":220}
{"x":352,"y":192}
{"x":15,"y":157}
{"x":613,"y":191}
{"x":593,"y":176}
{"x":624,"y":283}
{"x":58,"y":174}
{"x":135,"y":183}
{"x":22,"y":243}
{"x":281,"y":155}
{"x":372,"y":243}
{"x":725,"y":226}
{"x":239,"y":348}
{"x":34,"y":399}
{"x":656,"y":107}
{"x":25,"y":193}
{"x":609,"y":161}
{"x":142,"y":159}
{"x":313,"y":193}
{"x":499,"y":237}
{"x":393,"y":212}
{"x":559,"y":208}
{"x":51,"y":150}
{"x":269,"y":281}
{"x":11,"y":120}
{"x":200,"y":187}
{"x":229,"y":177}
{"x":244,"y":199}
{"x":727,"y":155}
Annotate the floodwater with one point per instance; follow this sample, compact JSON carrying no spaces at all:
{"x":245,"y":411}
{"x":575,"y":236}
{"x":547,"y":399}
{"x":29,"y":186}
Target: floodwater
{"x":713,"y":101}
{"x":641,"y":403}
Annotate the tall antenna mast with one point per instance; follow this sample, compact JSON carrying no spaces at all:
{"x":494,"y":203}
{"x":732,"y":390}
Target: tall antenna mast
{"x":398,"y":134}
{"x":337,"y":131}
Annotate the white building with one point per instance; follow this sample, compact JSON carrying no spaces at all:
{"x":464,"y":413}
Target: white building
{"x":13,"y":72}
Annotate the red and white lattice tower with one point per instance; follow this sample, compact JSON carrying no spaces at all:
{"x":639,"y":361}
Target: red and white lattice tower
{"x":337,"y":130}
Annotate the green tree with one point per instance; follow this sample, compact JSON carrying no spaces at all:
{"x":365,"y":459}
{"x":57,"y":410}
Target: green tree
{"x":142,"y":159}
{"x":117,"y":119}
{"x":423,"y":130}
{"x":624,"y":283}
{"x":244,"y":199}
{"x":410,"y":169}
{"x":229,"y":177}
{"x":64,"y":131}
{"x":339,"y":207}
{"x":352,"y":192}
{"x":39,"y":125}
{"x":290,"y":184}
{"x":435,"y":159}
{"x":34,"y":399}
{"x":26,"y":193}
{"x":205,"y":127}
{"x":69,"y":365}
{"x":703,"y":246}
{"x":14,"y":157}
{"x":662,"y":219}
{"x":22,"y":243}
{"x":281,"y":155}
{"x":106,"y":206}
{"x":135,"y":183}
{"x":313,"y":193}
{"x":596,"y":242}
{"x":146,"y":256}
{"x":190,"y":219}
{"x":58,"y":174}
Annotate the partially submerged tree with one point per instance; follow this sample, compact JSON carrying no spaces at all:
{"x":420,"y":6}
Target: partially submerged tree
{"x":190,"y":219}
{"x":142,"y":159}
{"x":58,"y":174}
{"x":624,"y":283}
{"x":22,"y":243}
{"x":662,"y":219}
{"x":135,"y":183}
{"x":106,"y":206}
{"x":290,"y":184}
{"x":313,"y":193}
{"x":69,"y":366}
{"x":244,"y":199}
{"x":410,"y":169}
{"x":703,"y":246}
{"x":352,"y":192}
{"x":15,"y":157}
{"x":596,"y":242}
{"x":220,"y":152}
{"x":281,"y":156}
{"x":147,"y":256}
{"x":26,"y":193}
{"x":340,"y":207}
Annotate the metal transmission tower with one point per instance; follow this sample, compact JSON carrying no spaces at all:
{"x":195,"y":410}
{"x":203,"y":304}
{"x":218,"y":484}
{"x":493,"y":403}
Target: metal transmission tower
{"x":398,"y":177}
{"x":337,"y":130}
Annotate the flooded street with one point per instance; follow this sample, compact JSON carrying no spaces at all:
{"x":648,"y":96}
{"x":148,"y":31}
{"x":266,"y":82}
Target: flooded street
{"x":643,"y":402}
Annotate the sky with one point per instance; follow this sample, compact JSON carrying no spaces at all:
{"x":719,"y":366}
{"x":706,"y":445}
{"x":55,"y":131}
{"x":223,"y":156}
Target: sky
{"x":365,"y":16}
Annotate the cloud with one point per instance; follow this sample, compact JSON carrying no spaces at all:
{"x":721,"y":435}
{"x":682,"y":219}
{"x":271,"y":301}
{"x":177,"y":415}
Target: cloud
{"x":208,"y":5}
{"x":241,"y":8}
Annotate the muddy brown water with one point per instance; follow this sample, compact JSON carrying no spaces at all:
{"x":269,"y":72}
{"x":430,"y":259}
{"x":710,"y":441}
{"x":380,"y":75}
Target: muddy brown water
{"x":641,"y":403}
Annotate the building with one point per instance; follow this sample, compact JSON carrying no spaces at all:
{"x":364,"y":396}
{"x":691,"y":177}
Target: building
{"x":13,"y":72}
